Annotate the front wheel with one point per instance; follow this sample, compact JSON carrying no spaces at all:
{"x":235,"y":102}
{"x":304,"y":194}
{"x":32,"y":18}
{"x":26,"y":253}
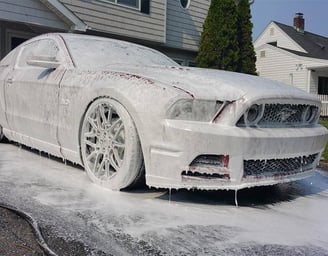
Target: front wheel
{"x":110,"y":146}
{"x":1,"y":134}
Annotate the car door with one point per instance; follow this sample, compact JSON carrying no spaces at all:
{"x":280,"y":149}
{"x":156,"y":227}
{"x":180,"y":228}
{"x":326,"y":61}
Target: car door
{"x":31,"y":94}
{"x":6,"y":67}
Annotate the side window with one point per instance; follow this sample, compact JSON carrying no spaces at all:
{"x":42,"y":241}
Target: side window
{"x":45,"y":47}
{"x":16,"y":41}
{"x":179,"y":61}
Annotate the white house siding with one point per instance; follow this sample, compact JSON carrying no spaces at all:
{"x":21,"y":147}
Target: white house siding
{"x":30,"y":12}
{"x":288,"y":68}
{"x":313,"y":80}
{"x":120,"y":20}
{"x":184,"y":26}
{"x":280,"y":66}
{"x":274,"y":34}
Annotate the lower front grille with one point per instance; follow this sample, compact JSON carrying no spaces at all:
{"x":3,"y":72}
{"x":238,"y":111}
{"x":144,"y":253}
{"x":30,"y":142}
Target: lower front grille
{"x":274,"y":167}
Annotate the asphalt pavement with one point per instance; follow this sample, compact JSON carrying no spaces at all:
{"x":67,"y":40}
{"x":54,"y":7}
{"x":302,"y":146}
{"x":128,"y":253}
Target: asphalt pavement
{"x":16,"y":236}
{"x":19,"y":238}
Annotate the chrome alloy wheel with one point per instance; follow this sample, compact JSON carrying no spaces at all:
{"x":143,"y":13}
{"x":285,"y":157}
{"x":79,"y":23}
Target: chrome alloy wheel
{"x":110,"y":146}
{"x":104,"y":140}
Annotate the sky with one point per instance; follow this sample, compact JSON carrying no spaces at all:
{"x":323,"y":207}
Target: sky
{"x":315,"y":14}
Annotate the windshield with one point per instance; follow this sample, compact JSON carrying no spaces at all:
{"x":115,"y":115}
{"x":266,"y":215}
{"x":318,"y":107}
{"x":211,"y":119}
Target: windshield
{"x":96,"y":52}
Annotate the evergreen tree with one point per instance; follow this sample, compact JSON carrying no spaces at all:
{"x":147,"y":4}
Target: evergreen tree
{"x":247,"y":56}
{"x":219,"y":46}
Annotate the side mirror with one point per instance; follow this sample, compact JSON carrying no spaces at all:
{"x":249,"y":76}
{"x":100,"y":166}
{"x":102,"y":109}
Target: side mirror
{"x":43,"y":61}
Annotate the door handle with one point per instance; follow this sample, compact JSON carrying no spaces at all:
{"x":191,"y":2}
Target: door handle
{"x":9,"y":81}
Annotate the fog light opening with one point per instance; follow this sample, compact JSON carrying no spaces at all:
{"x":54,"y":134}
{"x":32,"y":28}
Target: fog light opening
{"x":209,"y":167}
{"x":211,"y":160}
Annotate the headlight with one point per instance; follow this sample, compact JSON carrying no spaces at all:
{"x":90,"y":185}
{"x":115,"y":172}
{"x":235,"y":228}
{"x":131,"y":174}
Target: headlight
{"x":253,"y":115}
{"x":194,"y":110}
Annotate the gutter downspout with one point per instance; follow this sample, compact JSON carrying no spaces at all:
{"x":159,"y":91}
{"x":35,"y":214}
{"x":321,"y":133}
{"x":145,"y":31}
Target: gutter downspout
{"x":308,"y":87}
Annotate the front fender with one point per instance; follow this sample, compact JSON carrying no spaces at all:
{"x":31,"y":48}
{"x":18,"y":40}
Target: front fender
{"x":146,"y":101}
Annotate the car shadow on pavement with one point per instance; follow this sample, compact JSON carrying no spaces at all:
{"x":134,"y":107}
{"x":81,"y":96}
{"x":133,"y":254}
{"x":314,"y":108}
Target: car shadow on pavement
{"x":259,"y":197}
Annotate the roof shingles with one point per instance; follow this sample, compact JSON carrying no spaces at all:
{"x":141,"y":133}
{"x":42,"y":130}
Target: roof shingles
{"x":315,"y":45}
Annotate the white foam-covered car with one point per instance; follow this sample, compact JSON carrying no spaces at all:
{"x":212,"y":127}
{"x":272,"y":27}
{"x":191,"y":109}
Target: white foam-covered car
{"x":124,"y":111}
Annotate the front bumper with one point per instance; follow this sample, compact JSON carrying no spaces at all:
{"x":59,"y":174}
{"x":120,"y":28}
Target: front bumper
{"x":170,"y":164}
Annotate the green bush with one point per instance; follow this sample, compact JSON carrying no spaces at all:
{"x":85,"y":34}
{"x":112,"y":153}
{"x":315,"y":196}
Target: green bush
{"x":247,"y":56}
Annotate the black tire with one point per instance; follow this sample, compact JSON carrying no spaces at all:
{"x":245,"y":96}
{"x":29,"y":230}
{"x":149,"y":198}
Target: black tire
{"x":2,"y":137}
{"x":110,"y":146}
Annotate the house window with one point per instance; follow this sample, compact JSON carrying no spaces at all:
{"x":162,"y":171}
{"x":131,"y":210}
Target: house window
{"x":271,"y":31}
{"x":323,"y":85}
{"x":185,"y":3}
{"x":131,"y":3}
{"x":145,"y":6}
{"x":142,"y":5}
{"x":191,"y":63}
{"x":262,"y":54}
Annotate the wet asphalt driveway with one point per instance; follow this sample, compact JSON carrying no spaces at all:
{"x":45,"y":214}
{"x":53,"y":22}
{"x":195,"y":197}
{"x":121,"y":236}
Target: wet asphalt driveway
{"x":79,"y":218}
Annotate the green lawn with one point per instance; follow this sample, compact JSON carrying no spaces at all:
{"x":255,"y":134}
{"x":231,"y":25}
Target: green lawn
{"x":324,"y":122}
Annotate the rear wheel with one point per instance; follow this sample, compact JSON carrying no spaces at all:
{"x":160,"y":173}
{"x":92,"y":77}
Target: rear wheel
{"x":110,"y":146}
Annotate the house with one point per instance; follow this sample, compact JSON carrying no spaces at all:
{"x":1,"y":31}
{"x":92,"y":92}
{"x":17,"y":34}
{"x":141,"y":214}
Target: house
{"x":294,"y":56}
{"x":171,"y":26}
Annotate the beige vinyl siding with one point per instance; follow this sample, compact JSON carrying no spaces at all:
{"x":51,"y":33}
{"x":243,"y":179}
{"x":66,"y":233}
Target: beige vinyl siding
{"x":31,"y":12}
{"x":274,"y":34}
{"x":120,"y":20}
{"x":184,"y":26}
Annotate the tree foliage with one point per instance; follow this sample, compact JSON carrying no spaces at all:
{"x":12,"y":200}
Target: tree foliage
{"x":226,"y":40}
{"x":247,"y":56}
{"x":219,"y":43}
